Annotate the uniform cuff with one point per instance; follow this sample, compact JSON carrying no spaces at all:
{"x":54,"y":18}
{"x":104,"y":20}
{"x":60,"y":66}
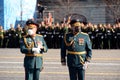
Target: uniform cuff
{"x":63,"y":60}
{"x":88,"y":59}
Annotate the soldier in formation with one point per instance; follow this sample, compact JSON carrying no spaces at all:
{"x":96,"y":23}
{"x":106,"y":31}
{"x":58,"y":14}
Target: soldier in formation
{"x":103,"y":36}
{"x":1,"y":36}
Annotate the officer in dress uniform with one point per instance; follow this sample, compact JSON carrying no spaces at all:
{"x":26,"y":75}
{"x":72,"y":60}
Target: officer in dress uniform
{"x":77,"y":47}
{"x":33,"y":46}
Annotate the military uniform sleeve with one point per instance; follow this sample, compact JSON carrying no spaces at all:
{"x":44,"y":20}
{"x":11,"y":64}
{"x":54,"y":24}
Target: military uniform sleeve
{"x":23,"y":48}
{"x":63,"y":51}
{"x":88,"y":49}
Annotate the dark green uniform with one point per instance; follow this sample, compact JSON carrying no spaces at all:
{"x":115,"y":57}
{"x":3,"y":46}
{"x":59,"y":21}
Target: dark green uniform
{"x":117,"y":37}
{"x":63,"y":30}
{"x":56,"y":37}
{"x":18,"y":36}
{"x":90,"y":31}
{"x":108,"y":38}
{"x":78,"y":52}
{"x":49,"y":36}
{"x":11,"y":37}
{"x":6,"y":39}
{"x":1,"y":37}
{"x":32,"y":61}
{"x":99,"y":37}
{"x":42,"y":30}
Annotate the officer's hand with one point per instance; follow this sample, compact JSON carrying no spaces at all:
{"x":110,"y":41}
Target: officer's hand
{"x":41,"y":69}
{"x":63,"y":63}
{"x":36,"y":50}
{"x":85,"y":66}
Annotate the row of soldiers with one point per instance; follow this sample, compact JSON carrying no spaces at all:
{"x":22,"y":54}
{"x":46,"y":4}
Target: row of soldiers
{"x":10,"y":38}
{"x":105,"y":36}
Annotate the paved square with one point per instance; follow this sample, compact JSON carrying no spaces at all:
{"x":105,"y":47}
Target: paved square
{"x":105,"y":65}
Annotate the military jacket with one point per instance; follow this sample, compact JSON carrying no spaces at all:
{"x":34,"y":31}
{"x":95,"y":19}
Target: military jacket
{"x":19,"y":33}
{"x":32,"y":59}
{"x":117,"y":32}
{"x":42,"y":30}
{"x":109,"y":33}
{"x":77,"y":48}
{"x":1,"y":34}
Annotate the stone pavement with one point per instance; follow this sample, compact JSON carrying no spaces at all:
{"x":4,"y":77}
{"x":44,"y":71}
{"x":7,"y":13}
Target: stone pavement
{"x":105,"y":65}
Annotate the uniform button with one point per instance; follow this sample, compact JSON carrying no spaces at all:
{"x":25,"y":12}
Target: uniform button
{"x":74,"y":38}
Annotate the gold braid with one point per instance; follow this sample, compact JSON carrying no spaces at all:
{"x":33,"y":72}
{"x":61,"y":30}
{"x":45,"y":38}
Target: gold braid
{"x":67,"y":44}
{"x":27,"y":45}
{"x":81,"y":60}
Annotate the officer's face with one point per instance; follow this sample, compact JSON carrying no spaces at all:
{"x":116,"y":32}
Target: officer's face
{"x":32,"y":31}
{"x":75,"y":29}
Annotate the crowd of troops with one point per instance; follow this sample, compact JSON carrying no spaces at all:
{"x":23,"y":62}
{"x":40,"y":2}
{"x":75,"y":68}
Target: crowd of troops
{"x":103,"y":36}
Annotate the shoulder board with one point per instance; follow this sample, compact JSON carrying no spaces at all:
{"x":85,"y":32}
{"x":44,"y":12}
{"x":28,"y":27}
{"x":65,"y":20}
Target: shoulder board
{"x":68,"y":33}
{"x":25,"y":36}
{"x":84,"y":33}
{"x":39,"y":35}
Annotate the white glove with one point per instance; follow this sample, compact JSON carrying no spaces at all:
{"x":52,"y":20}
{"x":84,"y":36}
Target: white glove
{"x":36,"y":50}
{"x":85,"y":66}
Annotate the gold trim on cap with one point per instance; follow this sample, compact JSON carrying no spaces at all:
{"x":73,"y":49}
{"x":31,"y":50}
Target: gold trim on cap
{"x":31,"y":26}
{"x":76,"y":24}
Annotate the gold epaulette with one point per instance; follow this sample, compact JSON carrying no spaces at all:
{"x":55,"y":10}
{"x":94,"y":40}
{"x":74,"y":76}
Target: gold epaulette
{"x":25,"y":36}
{"x":39,"y":35}
{"x":113,"y":30}
{"x":84,"y":33}
{"x":103,"y":29}
{"x":93,"y":29}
